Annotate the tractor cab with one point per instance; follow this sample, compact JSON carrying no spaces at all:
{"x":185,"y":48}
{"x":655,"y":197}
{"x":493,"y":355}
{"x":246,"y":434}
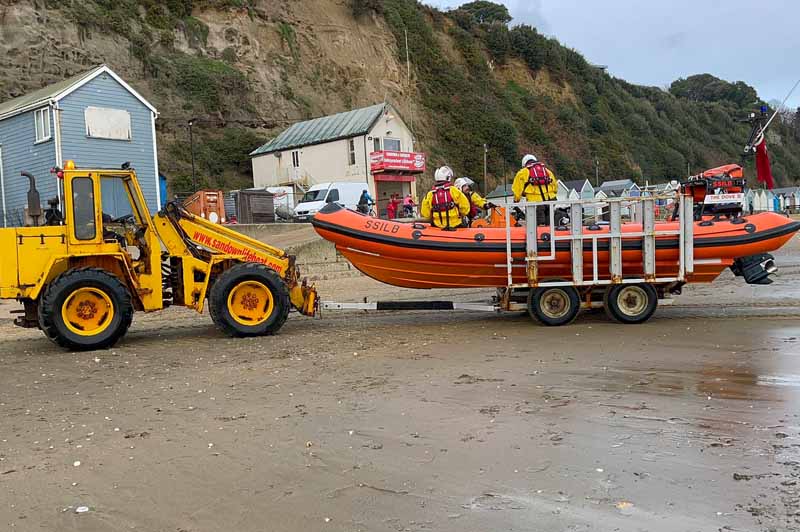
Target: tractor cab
{"x":105,"y":212}
{"x":104,"y":220}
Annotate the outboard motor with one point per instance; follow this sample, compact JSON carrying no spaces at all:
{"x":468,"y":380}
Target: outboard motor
{"x":755,"y":269}
{"x":34,"y":201}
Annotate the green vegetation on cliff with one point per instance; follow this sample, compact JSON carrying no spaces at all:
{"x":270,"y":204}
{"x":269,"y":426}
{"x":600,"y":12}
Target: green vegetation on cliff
{"x":476,"y":80}
{"x":577,"y":113}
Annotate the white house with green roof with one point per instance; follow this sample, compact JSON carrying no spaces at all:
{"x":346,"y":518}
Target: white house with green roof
{"x":336,"y":148}
{"x":93,"y":118}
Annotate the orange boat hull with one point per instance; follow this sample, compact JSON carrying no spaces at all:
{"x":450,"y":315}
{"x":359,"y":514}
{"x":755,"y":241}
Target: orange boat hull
{"x":421,"y":256}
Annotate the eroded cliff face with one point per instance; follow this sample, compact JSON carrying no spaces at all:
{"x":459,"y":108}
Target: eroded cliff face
{"x":37,"y":47}
{"x":297,"y":60}
{"x":301,"y":56}
{"x":306,"y":58}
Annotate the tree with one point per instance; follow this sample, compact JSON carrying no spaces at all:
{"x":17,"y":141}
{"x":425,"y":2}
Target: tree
{"x":484,"y":12}
{"x":464,"y":19}
{"x":796,"y":124}
{"x":708,"y":88}
{"x":498,"y":42}
{"x":363,"y":7}
{"x":529,"y":45}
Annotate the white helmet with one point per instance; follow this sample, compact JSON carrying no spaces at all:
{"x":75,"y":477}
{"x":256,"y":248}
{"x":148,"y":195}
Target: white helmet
{"x":462,"y":182}
{"x":528,"y":159}
{"x":443,"y":173}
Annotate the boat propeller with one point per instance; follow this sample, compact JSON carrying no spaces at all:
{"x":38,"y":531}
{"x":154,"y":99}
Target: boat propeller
{"x":755,"y":269}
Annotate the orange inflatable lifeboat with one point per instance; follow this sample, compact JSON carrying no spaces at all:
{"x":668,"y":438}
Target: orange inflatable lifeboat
{"x":420,"y":256}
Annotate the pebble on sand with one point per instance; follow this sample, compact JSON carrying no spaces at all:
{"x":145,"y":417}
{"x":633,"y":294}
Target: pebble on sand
{"x":624,"y":507}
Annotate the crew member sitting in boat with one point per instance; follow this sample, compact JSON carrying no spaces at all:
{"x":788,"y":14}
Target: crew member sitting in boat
{"x":444,"y":205}
{"x":476,"y":201}
{"x":536,"y":183}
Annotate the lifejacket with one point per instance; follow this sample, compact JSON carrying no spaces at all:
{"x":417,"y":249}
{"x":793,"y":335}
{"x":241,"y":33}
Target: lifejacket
{"x":537,"y":175}
{"x":540,"y":178}
{"x":473,"y":209}
{"x":442,"y":200}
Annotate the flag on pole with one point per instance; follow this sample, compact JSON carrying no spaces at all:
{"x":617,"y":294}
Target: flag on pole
{"x":763,"y":170}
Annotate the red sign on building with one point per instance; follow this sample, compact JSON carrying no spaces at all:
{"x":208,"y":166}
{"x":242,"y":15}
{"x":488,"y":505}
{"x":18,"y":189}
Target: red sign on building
{"x":397,"y":161}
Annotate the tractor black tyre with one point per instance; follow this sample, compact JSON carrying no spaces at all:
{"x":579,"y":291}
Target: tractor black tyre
{"x":220,"y":293}
{"x":554,"y":306}
{"x":55,"y":295}
{"x":630,"y":303}
{"x":212,"y":311}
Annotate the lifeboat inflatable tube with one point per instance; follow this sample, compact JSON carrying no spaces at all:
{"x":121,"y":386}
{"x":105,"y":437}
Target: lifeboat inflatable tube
{"x":422,"y":256}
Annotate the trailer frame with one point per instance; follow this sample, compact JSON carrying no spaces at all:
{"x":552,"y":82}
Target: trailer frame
{"x":593,"y":289}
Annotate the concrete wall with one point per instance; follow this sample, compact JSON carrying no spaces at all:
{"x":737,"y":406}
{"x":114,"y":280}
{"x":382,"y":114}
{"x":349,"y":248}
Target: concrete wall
{"x":316,"y":258}
{"x":264,"y":231}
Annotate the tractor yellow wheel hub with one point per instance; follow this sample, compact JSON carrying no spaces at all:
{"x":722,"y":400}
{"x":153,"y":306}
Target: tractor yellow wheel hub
{"x":250,"y":303}
{"x":87,"y":311}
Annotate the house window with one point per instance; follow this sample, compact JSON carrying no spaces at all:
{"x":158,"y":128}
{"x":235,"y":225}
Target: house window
{"x":391,"y":144}
{"x":102,"y":123}
{"x":376,"y":142}
{"x":296,"y":159}
{"x":351,"y":152}
{"x":42,"y":121}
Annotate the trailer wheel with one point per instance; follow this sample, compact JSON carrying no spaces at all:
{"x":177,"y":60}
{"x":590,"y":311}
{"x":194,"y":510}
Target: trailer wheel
{"x":249,"y":299}
{"x":630,"y":303}
{"x":85,"y":308}
{"x":553,"y":306}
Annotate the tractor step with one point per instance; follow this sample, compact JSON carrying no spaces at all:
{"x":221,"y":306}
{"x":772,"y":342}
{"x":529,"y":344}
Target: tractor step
{"x":29,"y":318}
{"x":26,"y":323}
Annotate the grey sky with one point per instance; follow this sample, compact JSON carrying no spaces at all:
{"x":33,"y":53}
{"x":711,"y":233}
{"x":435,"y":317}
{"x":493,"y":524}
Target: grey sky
{"x":654,"y":43}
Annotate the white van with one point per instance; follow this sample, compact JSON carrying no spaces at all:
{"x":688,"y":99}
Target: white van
{"x":345,"y":194}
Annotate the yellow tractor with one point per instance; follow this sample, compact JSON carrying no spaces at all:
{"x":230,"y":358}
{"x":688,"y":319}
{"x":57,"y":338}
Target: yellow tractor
{"x":81,"y":276}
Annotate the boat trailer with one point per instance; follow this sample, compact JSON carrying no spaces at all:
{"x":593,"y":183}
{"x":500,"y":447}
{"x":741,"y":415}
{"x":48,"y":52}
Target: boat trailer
{"x":557,"y":302}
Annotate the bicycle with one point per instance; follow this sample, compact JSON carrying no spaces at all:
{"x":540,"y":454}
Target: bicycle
{"x":369,"y":211}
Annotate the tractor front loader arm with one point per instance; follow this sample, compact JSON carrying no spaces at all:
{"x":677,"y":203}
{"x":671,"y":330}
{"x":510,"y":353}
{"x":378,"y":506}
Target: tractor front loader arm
{"x":202,"y":238}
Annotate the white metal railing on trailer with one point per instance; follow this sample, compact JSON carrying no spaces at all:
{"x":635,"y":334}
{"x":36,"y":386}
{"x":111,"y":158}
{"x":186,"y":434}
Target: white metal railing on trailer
{"x":643,"y":209}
